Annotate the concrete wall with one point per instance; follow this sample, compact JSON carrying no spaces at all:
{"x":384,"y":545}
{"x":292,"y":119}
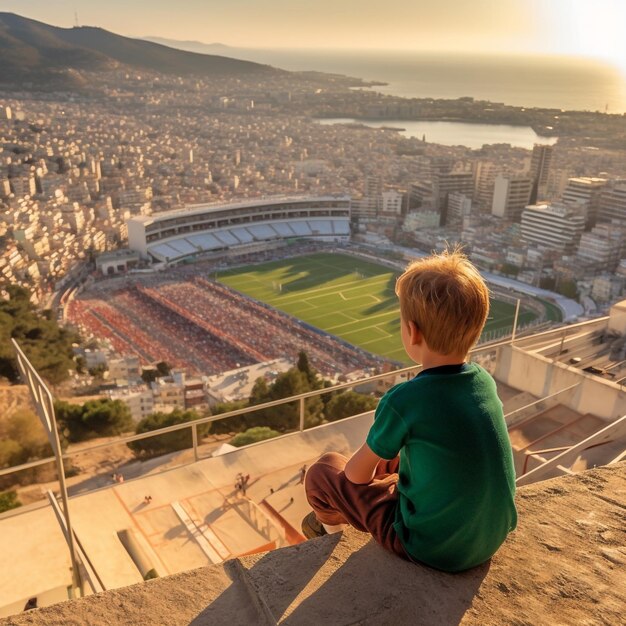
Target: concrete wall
{"x":541,"y":377}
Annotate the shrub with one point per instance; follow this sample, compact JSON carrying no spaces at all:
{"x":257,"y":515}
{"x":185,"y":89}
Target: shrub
{"x":347,"y":404}
{"x":252,"y":435}
{"x":95,"y":418}
{"x":169,"y":442}
{"x":8,"y":501}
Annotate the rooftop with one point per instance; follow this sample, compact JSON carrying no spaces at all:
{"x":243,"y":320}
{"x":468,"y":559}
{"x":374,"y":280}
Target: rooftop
{"x":564,"y":564}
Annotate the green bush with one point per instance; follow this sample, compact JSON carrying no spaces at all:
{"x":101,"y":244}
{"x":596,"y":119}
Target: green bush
{"x":347,"y":404}
{"x":169,"y":442}
{"x":46,"y":345}
{"x":252,"y":435}
{"x":8,"y":501}
{"x":95,"y":418}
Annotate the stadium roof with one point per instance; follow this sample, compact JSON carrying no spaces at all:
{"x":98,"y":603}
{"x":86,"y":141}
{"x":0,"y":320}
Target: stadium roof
{"x":220,"y":206}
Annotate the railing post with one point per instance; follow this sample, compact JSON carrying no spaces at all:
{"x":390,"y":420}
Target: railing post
{"x":517,"y":305}
{"x":301,"y":414}
{"x":194,"y":439}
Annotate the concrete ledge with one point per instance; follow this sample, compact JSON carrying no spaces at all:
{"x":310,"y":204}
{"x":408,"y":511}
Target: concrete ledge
{"x":565,"y":564}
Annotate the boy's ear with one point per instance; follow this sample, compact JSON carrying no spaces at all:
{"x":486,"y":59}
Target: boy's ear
{"x":415,"y":334}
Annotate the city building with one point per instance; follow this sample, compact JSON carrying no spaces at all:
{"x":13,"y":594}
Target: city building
{"x":510,"y":196}
{"x":601,"y":249}
{"x":554,"y":226}
{"x":540,"y":170}
{"x":613,"y":202}
{"x":585,"y":192}
{"x":138,"y":399}
{"x":445,"y":184}
{"x":116,"y":261}
{"x":391,"y":203}
{"x":459,"y":207}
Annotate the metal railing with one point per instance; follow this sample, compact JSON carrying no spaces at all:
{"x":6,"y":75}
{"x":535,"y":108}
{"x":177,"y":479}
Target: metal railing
{"x":300,"y":398}
{"x":521,"y":414}
{"x":601,"y":436}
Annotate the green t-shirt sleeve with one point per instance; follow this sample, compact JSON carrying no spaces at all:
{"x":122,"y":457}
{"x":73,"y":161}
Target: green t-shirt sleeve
{"x":388,"y":432}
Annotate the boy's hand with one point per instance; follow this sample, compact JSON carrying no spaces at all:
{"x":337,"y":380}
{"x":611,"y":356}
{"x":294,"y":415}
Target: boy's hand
{"x":361,"y":466}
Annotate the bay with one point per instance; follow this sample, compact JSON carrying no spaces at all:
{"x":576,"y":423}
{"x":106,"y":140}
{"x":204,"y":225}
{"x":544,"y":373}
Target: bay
{"x":456,"y":133}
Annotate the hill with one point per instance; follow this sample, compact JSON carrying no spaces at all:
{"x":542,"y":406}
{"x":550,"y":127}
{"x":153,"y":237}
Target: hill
{"x":194,"y":46}
{"x":34,"y":51}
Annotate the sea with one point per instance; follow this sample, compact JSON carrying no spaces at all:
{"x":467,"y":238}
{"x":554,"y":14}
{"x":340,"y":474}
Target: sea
{"x":563,"y":83}
{"x":527,"y":81}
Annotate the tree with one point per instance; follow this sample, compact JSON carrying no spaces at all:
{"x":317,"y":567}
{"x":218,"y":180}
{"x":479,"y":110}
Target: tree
{"x":97,"y":371}
{"x":508,"y":269}
{"x":236,"y":423}
{"x":349,"y":403}
{"x":95,"y":418}
{"x":163,"y":368}
{"x":46,"y":345}
{"x":568,"y":288}
{"x":25,"y":428}
{"x":287,"y":416}
{"x":252,"y":435}
{"x":169,"y":442}
{"x":311,"y":373}
{"x":8,"y":501}
{"x":10,"y":452}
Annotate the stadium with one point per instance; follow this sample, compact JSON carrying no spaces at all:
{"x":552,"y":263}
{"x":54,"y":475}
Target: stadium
{"x":230,"y":274}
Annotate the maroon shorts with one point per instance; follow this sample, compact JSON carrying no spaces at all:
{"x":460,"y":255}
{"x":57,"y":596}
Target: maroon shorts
{"x":369,"y":508}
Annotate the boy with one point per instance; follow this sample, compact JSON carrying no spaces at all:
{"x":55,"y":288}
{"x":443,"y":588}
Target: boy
{"x":434,"y":482}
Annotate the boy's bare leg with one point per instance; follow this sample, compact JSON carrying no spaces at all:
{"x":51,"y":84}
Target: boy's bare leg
{"x":369,"y":508}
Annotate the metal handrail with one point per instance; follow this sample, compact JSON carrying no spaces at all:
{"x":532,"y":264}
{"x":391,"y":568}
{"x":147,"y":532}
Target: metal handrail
{"x":258,"y":407}
{"x":551,"y":396}
{"x":599,"y":436}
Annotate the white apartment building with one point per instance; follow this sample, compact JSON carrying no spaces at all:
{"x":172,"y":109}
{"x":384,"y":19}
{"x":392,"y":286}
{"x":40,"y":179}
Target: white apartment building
{"x":607,"y":288}
{"x":392,"y":202}
{"x":585,"y":191}
{"x":554,"y":226}
{"x":126,"y":368}
{"x":510,"y":196}
{"x":139,"y":400}
{"x":613,"y":202}
{"x":418,"y":220}
{"x":601,"y":249}
{"x":459,"y":207}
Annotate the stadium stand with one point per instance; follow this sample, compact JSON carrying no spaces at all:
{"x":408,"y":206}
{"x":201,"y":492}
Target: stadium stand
{"x":173,"y":235}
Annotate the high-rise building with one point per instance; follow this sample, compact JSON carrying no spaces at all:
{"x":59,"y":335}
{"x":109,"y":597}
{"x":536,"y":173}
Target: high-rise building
{"x":510,"y":196}
{"x":370,"y":204}
{"x":613,"y":202}
{"x":485,"y":174}
{"x":540,"y":170}
{"x":459,"y":207}
{"x":452,"y":182}
{"x":391,"y":203}
{"x":601,"y":249}
{"x":554,"y":226}
{"x":585,"y":192}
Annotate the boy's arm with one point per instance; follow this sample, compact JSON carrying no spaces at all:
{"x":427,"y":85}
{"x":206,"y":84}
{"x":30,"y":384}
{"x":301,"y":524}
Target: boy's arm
{"x":361,"y":466}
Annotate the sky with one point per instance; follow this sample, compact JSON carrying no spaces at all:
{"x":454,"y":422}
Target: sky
{"x":587,"y":28}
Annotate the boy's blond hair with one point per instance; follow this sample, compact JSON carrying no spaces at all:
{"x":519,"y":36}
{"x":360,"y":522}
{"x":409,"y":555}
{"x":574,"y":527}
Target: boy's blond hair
{"x":447,"y":299}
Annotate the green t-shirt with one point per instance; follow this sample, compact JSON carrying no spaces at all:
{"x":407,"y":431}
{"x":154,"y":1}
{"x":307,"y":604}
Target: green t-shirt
{"x":456,"y":479}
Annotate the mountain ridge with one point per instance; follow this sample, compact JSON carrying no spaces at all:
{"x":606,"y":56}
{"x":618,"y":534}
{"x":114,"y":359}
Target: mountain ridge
{"x":32,"y":50}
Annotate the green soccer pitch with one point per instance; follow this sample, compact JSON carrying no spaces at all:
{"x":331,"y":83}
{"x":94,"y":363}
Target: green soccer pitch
{"x":345,"y":296}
